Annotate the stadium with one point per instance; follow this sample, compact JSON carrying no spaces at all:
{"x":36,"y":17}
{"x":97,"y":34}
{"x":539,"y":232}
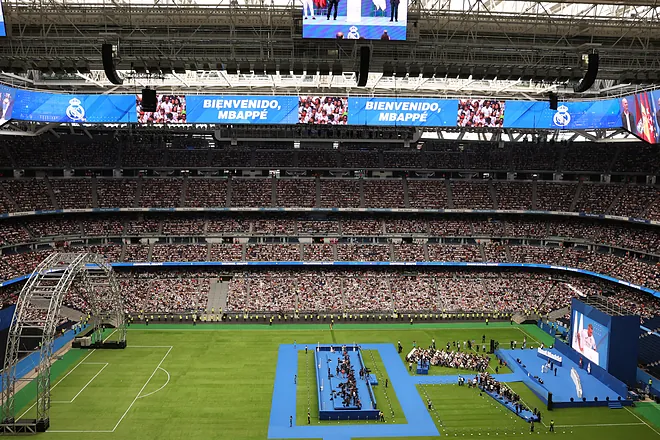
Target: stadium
{"x":330,"y":219}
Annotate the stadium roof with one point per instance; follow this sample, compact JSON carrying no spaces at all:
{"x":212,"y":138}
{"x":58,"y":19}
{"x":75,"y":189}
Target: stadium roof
{"x":460,"y":40}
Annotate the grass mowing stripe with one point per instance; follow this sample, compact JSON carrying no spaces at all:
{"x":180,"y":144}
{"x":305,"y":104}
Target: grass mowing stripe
{"x":376,"y":364}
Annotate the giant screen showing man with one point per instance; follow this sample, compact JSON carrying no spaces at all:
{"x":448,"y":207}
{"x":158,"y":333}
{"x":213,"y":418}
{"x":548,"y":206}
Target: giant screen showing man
{"x":355,"y":19}
{"x":590,"y":338}
{"x":3,"y":28}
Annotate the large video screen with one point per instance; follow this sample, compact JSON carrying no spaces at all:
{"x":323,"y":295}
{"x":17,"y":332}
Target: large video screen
{"x":54,"y":107}
{"x":569,"y":115}
{"x":480,"y":113}
{"x":405,"y":112}
{"x":3,"y":28}
{"x":640,"y":115}
{"x":242,"y":109}
{"x":323,"y":110}
{"x":7,"y":100}
{"x":590,"y":338}
{"x":170,"y":109}
{"x":355,"y":19}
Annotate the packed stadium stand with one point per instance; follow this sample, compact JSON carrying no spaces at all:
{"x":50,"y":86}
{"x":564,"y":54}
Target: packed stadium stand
{"x":602,"y":227}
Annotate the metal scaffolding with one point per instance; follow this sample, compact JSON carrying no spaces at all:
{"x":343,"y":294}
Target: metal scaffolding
{"x":543,"y":36}
{"x":42,"y":295}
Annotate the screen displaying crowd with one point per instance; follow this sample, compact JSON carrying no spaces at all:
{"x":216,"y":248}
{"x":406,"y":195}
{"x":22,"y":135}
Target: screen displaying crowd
{"x":323,"y":110}
{"x":170,"y":109}
{"x":480,"y":113}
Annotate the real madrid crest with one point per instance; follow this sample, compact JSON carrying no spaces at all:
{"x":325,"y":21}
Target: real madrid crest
{"x":353,"y":33}
{"x":75,"y":111}
{"x":562,"y":118}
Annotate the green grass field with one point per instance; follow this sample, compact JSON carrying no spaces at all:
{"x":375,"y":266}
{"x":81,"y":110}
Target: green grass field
{"x":213,"y":382}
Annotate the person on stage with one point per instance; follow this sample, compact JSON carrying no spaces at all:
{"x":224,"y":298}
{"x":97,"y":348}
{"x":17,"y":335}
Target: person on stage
{"x":331,"y":4}
{"x":308,"y":9}
{"x":394,"y":10}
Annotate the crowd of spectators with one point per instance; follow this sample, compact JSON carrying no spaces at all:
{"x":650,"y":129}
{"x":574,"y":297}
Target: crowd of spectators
{"x":383,"y":193}
{"x":597,"y":198}
{"x":318,"y":252}
{"x":28,"y":194}
{"x":72,"y":194}
{"x":117,"y":193}
{"x":363,"y":252}
{"x":427,"y":194}
{"x":296,"y":192}
{"x":340,"y":193}
{"x":164,"y":292}
{"x":514,"y":195}
{"x":179,"y":252}
{"x":251,"y":192}
{"x":464,"y":360}
{"x":167,"y":192}
{"x":205,"y":193}
{"x":113,"y":152}
{"x":160,"y":192}
{"x":471,"y":194}
{"x":273,"y":252}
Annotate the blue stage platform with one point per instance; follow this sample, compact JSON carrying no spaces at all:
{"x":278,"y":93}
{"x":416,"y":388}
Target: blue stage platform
{"x":564,"y":393}
{"x":329,"y":381}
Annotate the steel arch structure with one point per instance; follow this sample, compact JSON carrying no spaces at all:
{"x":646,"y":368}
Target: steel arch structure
{"x":43,"y":293}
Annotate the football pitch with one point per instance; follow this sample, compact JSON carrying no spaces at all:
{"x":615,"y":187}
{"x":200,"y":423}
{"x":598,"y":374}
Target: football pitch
{"x":219,"y":382}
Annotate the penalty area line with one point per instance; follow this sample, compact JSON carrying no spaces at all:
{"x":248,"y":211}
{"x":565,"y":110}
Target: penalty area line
{"x":143,"y":387}
{"x":90,"y":381}
{"x":59,"y":382}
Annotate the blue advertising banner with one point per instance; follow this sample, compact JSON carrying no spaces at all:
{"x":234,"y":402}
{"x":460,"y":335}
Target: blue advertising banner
{"x":51,"y":107}
{"x":569,"y":115}
{"x":383,"y":20}
{"x":7,"y":100}
{"x":409,"y":112}
{"x":242,"y":109}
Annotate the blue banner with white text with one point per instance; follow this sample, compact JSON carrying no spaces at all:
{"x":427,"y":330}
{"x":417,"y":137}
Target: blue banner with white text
{"x":243,"y":109}
{"x":569,"y":115}
{"x":405,"y":112}
{"x":52,"y":107}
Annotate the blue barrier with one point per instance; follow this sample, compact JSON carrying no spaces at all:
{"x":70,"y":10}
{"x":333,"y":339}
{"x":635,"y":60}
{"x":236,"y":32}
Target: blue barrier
{"x":30,"y":362}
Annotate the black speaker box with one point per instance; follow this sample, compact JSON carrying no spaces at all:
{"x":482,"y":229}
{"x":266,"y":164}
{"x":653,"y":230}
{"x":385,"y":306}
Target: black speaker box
{"x":590,"y":76}
{"x":109,"y":64}
{"x":149,"y":100}
{"x":363,"y":72}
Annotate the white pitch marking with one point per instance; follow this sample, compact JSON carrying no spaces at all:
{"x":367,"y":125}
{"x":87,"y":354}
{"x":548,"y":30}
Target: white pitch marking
{"x":90,"y":381}
{"x":59,"y":382}
{"x":638,"y":418}
{"x":142,"y":389}
{"x":70,"y":431}
{"x":598,"y":424}
{"x":166,"y":382}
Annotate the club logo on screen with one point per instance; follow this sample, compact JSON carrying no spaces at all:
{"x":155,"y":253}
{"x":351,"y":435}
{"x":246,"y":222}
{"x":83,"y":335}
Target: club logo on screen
{"x":75,"y":111}
{"x":562,"y":118}
{"x":353,"y":33}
